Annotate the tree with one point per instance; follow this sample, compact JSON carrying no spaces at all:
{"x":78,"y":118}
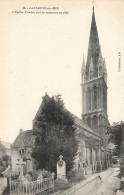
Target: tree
{"x":6,"y":159}
{"x":115,"y":132}
{"x":55,"y":135}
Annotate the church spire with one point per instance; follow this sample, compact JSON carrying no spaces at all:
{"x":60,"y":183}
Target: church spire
{"x":94,"y":46}
{"x":94,"y":84}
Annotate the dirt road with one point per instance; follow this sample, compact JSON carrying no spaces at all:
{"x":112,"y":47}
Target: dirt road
{"x":109,"y":185}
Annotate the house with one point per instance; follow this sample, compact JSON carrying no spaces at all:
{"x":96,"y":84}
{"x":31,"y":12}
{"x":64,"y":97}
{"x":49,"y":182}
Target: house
{"x":23,"y":145}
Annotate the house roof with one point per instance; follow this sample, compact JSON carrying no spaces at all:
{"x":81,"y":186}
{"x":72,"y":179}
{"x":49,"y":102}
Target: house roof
{"x":24,"y":138}
{"x":7,"y":145}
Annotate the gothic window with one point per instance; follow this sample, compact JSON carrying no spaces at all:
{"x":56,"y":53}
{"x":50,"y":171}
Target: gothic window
{"x":101,"y":92}
{"x":89,"y":121}
{"x":100,"y":121}
{"x":83,"y":77}
{"x":89,"y":99}
{"x":90,"y":156}
{"x":95,"y":154}
{"x":105,"y":99}
{"x":95,"y":97}
{"x":22,"y":151}
{"x":95,"y":122}
{"x":91,"y":75}
{"x":100,"y":71}
{"x":104,"y":122}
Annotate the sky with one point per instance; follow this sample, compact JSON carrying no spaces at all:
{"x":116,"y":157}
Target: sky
{"x":44,"y":52}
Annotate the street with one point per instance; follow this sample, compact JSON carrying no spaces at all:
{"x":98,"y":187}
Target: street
{"x":107,"y":186}
{"x":110,"y":183}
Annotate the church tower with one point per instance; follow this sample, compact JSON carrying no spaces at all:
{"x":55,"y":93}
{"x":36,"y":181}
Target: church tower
{"x":94,"y":84}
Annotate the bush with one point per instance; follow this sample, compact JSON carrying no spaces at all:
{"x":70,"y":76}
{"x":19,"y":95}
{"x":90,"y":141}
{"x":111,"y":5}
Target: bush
{"x":34,"y":175}
{"x":61,"y":184}
{"x":46,"y":174}
{"x":73,"y":176}
{"x":15,"y":176}
{"x":28,"y":177}
{"x":6,"y":160}
{"x":77,"y":178}
{"x":37,"y":173}
{"x":122,"y":170}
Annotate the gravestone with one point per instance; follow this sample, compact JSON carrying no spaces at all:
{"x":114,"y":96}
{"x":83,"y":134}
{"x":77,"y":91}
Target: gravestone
{"x":53,"y":175}
{"x":21,"y":164}
{"x":61,"y":168}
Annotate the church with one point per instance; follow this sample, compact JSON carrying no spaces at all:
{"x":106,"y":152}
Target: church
{"x":91,"y":128}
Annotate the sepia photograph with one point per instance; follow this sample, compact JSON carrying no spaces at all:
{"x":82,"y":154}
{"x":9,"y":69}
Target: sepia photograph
{"x":62,"y":97}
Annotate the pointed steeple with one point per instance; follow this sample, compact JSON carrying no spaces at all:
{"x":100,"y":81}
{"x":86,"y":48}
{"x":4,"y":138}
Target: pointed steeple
{"x":94,"y":46}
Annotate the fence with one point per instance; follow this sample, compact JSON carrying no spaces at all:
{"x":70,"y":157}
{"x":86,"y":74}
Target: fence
{"x":30,"y":188}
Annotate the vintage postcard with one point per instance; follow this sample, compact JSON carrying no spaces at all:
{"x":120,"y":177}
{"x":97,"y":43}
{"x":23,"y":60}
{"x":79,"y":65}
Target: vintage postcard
{"x":71,"y":51}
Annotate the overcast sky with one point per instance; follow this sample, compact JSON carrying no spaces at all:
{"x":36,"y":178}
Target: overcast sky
{"x":43,"y":53}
